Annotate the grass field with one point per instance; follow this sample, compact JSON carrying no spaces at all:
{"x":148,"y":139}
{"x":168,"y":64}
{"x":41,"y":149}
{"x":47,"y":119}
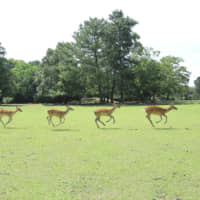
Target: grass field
{"x":129,"y":160}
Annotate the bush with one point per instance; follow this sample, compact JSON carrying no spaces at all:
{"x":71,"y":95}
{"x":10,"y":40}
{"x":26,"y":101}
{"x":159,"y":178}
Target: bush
{"x":7,"y":100}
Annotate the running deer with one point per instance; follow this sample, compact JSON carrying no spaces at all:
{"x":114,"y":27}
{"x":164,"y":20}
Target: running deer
{"x":105,"y":112}
{"x":9,"y":114}
{"x":59,"y":114}
{"x":155,"y":110}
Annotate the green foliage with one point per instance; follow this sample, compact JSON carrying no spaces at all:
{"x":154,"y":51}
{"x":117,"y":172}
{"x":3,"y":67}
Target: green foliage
{"x":176,"y":77}
{"x":24,"y":78}
{"x":197,"y":85}
{"x":119,"y":41}
{"x":89,"y":42}
{"x":164,"y":78}
{"x":7,"y":100}
{"x":106,"y":60}
{"x":7,"y":85}
{"x":59,"y":75}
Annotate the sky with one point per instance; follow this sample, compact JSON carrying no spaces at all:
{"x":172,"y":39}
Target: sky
{"x":29,"y":27}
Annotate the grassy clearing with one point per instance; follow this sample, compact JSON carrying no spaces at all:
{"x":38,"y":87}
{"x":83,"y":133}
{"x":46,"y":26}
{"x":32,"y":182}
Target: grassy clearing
{"x":126,"y":161}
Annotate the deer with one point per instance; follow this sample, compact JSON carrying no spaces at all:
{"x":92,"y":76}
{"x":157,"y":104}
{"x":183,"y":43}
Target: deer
{"x":105,"y":112}
{"x":59,"y":114}
{"x":156,"y":110}
{"x":9,"y":114}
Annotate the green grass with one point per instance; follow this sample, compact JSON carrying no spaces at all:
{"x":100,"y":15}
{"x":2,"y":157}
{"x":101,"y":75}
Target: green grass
{"x":129,"y":160}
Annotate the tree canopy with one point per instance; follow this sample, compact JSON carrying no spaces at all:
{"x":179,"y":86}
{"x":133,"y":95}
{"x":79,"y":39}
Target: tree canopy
{"x":105,"y":60}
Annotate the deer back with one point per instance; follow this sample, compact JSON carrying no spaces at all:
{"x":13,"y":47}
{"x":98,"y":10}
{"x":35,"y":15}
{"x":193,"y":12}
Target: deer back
{"x":155,"y":110}
{"x":57,"y":113}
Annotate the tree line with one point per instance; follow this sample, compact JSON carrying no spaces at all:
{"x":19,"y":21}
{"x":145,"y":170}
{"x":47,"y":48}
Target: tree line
{"x":105,"y":60}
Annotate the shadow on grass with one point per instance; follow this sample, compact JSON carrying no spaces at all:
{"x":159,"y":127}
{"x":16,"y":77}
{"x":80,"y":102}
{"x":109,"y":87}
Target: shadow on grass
{"x":65,"y":130}
{"x":109,"y":128}
{"x":133,"y":129}
{"x":15,"y":128}
{"x":167,"y":129}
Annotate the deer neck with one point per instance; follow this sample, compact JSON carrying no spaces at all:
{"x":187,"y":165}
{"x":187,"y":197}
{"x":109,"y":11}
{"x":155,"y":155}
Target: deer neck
{"x":112,"y":110}
{"x":66,"y":111}
{"x":168,"y":109}
{"x":15,"y":111}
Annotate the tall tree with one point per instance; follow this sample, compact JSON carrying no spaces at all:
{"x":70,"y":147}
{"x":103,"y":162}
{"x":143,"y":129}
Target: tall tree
{"x":24,"y":76}
{"x":147,"y":76}
{"x":71,"y":81}
{"x":60,"y":76}
{"x":89,"y":42}
{"x":119,"y":41}
{"x":197,"y":85}
{"x":175,"y":76}
{"x":162,"y":78}
{"x":7,"y":84}
{"x":48,"y":75}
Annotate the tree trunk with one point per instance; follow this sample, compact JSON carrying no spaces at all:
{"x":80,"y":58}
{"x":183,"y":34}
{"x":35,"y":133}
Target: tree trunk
{"x":98,"y":77}
{"x":122,"y":90}
{"x":112,"y":91}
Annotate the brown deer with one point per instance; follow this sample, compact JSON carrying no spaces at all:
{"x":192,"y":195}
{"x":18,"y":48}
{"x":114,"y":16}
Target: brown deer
{"x":105,"y":112}
{"x":156,"y":110}
{"x":9,"y":114}
{"x":59,"y":114}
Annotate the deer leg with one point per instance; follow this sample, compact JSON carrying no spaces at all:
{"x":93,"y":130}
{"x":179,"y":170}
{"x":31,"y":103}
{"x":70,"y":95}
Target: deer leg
{"x":113,"y":119}
{"x":101,"y":121}
{"x":60,"y":119}
{"x":52,"y":122}
{"x":48,"y":118}
{"x":109,"y":119}
{"x":148,"y":117}
{"x":58,"y":124}
{"x":98,"y":119}
{"x":63,"y":120}
{"x":96,"y":123}
{"x":160,"y":119}
{"x":9,"y":120}
{"x":165,"y":118}
{"x":2,"y":122}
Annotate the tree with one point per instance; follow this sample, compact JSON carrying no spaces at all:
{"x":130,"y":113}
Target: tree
{"x":71,"y":81}
{"x":175,"y":77}
{"x":24,"y":76}
{"x":7,"y":84}
{"x":59,"y":78}
{"x":147,"y":79}
{"x":89,"y":43}
{"x":154,"y":78}
{"x":197,"y":85}
{"x":119,"y":40}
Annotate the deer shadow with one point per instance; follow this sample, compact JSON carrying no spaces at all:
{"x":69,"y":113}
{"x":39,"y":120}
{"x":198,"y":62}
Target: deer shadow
{"x":65,"y":130}
{"x":15,"y":128}
{"x":110,"y":128}
{"x":166,"y":129}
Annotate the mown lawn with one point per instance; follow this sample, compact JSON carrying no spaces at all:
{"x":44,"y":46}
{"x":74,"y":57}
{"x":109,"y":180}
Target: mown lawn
{"x":129,"y":160}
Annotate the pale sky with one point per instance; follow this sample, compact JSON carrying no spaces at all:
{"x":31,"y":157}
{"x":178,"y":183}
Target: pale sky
{"x":29,"y":27}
